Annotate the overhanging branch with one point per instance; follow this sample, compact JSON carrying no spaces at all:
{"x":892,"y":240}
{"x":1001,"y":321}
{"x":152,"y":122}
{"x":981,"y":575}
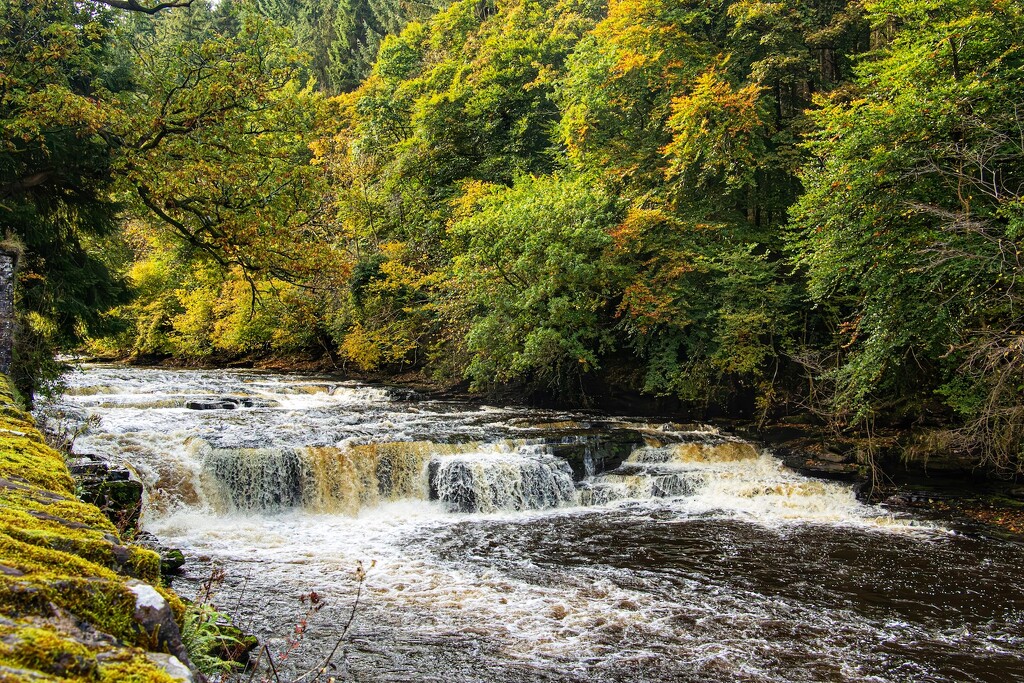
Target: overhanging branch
{"x":135,"y":6}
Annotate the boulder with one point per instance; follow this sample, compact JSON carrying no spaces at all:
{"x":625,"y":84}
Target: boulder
{"x":172,"y":666}
{"x":155,"y":620}
{"x":111,"y":488}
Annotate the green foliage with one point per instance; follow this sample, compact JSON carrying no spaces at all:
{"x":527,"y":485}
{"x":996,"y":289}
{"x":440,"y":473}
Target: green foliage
{"x":707,"y":312}
{"x":911,"y":218}
{"x":530,"y":268}
{"x":205,"y":633}
{"x":218,"y":132}
{"x":59,"y":70}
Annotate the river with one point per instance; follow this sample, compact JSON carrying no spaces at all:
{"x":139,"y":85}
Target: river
{"x":514,"y":544}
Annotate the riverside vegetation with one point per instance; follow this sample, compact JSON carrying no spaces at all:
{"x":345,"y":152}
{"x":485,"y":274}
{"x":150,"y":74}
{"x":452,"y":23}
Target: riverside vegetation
{"x":750,"y":209}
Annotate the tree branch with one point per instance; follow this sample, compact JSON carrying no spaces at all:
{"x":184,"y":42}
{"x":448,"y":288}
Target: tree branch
{"x":134,"y":6}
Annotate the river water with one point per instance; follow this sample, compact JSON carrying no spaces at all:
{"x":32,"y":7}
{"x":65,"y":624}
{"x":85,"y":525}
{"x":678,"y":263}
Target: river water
{"x":511,"y":544}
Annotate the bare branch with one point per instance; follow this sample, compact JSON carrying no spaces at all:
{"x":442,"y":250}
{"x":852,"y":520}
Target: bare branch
{"x":135,"y":6}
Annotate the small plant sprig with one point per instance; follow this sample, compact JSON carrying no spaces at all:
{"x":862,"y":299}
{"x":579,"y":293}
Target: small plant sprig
{"x":208,"y":633}
{"x":324,"y":670}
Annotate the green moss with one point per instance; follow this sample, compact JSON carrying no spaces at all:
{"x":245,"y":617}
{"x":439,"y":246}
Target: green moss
{"x":22,"y":459}
{"x":10,"y":672}
{"x":57,"y":656}
{"x":107,"y":605}
{"x":135,"y":670}
{"x":74,"y":511}
{"x":56,"y":550}
{"x":176,"y":604}
{"x":47,"y":651}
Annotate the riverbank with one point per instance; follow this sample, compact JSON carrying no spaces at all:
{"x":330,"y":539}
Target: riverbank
{"x":77,"y":602}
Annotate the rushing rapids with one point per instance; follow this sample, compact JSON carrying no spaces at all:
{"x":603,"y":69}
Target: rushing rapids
{"x":507,"y":544}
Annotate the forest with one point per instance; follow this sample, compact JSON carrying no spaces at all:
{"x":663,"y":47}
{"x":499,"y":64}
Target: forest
{"x":748,"y":208}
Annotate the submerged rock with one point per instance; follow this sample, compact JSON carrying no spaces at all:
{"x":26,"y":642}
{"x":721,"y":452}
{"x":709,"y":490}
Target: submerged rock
{"x":226,"y":403}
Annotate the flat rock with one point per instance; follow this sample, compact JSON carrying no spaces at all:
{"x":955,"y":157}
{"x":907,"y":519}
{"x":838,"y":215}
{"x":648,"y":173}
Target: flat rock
{"x":172,"y":665}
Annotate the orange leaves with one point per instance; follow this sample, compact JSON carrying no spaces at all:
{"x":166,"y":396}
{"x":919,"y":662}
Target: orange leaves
{"x":644,"y":35}
{"x":630,"y":233}
{"x":717,"y":131}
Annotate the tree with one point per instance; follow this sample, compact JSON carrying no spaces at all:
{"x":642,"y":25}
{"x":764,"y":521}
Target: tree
{"x":530,"y":268}
{"x":218,"y":128}
{"x":60,"y":73}
{"x":912,"y":219}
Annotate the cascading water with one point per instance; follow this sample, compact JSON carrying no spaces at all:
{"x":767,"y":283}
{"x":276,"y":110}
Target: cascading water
{"x":526,"y":478}
{"x":522,"y":545}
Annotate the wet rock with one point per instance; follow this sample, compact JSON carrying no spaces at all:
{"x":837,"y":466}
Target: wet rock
{"x":404,"y":394}
{"x":111,"y":488}
{"x":171,"y":559}
{"x":815,"y":459}
{"x":89,"y":466}
{"x":225,"y":403}
{"x":14,"y":674}
{"x":46,"y":517}
{"x":833,"y":454}
{"x":154,"y":618}
{"x":865,"y":492}
{"x":215,"y":404}
{"x":831,"y":470}
{"x":593,"y":452}
{"x":897,"y":500}
{"x":172,"y":666}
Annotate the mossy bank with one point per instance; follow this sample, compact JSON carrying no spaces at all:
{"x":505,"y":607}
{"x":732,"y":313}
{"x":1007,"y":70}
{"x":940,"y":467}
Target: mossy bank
{"x":76,"y":602}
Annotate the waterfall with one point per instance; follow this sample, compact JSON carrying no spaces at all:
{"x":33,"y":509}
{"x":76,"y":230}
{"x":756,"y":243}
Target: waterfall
{"x":329,"y":479}
{"x":696,"y":452}
{"x":528,"y":479}
{"x":253,"y":478}
{"x":715,"y":473}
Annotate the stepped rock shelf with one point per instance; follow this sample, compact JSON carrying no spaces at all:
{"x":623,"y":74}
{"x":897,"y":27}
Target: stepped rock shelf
{"x":77,"y":603}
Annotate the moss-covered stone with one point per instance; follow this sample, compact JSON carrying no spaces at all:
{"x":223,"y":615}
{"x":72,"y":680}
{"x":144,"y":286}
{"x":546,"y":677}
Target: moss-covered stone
{"x":63,"y":568}
{"x":44,"y":652}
